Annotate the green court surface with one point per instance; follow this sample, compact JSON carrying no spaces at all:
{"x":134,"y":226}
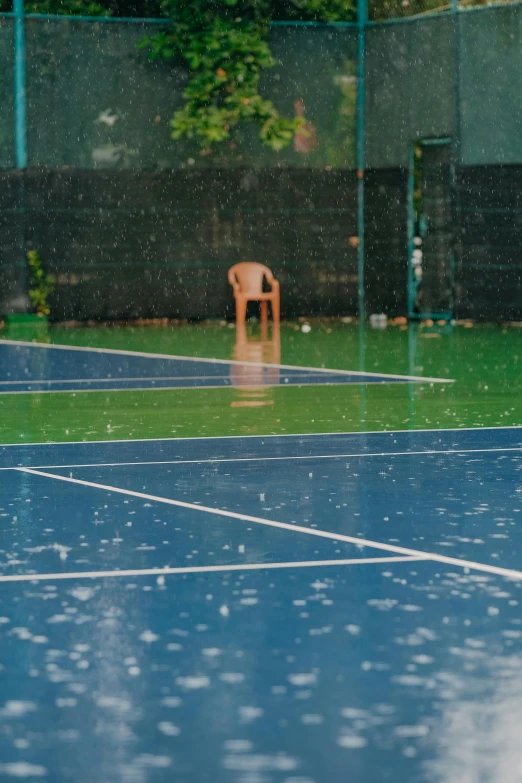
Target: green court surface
{"x":483,"y":361}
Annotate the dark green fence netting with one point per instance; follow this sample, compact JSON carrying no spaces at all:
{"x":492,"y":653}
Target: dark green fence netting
{"x":491,"y":85}
{"x":93,"y":100}
{"x":410,"y":87}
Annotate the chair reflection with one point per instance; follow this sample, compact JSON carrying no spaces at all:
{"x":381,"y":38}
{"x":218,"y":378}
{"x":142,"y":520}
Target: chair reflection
{"x":262,"y":357}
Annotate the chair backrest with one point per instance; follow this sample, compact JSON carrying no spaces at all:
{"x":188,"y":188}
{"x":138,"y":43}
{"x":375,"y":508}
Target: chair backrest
{"x":249,"y":275}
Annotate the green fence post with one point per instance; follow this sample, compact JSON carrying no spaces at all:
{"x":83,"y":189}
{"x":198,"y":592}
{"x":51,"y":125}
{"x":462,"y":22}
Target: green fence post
{"x":19,"y":86}
{"x":362,"y":18}
{"x":17,"y":300}
{"x":455,"y":151}
{"x":412,"y":287}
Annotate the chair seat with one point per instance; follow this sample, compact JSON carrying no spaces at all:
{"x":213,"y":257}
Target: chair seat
{"x":256,"y":297}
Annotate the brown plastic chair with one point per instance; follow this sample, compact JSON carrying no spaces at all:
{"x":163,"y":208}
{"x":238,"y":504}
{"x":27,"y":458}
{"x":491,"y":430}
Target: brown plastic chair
{"x":246,"y":279}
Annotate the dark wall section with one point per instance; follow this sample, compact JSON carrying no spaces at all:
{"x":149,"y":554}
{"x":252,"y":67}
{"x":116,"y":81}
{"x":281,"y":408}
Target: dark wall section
{"x":143,"y":244}
{"x":13,"y":268}
{"x":488,"y":236}
{"x":489,"y":257}
{"x":132,"y":244}
{"x":386,"y":270}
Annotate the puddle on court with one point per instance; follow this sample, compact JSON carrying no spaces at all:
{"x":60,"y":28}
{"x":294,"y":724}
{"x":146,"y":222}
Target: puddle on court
{"x":279,"y":675}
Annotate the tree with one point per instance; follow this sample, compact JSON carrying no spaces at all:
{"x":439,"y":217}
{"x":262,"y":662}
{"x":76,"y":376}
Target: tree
{"x":223,"y":44}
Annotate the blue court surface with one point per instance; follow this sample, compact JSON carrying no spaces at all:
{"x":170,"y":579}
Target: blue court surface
{"x":33,"y":367}
{"x":300,"y":609}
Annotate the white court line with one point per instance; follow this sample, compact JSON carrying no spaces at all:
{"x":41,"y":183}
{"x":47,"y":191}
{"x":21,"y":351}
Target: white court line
{"x":352,"y":434}
{"x":266,"y":459}
{"x":120,"y":352}
{"x":361,"y":542}
{"x":391,"y":380}
{"x":118,"y":379}
{"x":205,"y":569}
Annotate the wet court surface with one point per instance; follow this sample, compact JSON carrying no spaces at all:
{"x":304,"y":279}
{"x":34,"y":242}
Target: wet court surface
{"x":290,"y":609}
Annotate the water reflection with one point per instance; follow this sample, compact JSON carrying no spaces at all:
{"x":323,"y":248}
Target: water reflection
{"x":261,"y":356}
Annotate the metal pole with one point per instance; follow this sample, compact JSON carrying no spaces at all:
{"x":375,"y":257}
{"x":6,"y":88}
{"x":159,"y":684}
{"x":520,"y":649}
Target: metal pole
{"x":455,"y":8}
{"x":455,"y":155}
{"x":411,"y":230}
{"x":362,"y":18}
{"x":18,"y":301}
{"x":19,"y":86}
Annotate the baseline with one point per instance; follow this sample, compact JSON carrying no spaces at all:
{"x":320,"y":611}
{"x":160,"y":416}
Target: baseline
{"x":272,"y":459}
{"x":205,"y":569}
{"x":157,"y":387}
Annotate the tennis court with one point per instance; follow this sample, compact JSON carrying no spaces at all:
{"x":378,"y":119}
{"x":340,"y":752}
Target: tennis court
{"x":266,"y":604}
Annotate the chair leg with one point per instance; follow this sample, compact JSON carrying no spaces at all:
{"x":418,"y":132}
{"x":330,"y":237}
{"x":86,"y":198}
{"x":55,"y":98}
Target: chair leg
{"x":264,"y":311}
{"x":276,"y":309}
{"x":276,"y":344}
{"x":241,"y":308}
{"x":264,"y":330}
